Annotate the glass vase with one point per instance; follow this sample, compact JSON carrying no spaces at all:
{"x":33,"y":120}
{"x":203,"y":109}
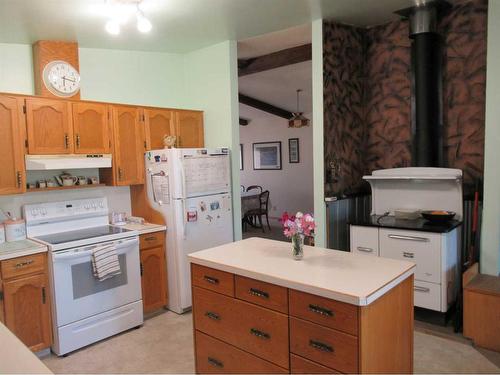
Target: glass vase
{"x":298,"y":246}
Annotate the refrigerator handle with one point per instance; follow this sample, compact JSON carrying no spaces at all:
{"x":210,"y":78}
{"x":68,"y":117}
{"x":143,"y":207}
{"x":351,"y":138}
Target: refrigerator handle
{"x":184,"y":218}
{"x":183,"y":179}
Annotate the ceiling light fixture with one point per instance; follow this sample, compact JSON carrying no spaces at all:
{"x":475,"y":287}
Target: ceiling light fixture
{"x":120,"y":11}
{"x":298,"y":120}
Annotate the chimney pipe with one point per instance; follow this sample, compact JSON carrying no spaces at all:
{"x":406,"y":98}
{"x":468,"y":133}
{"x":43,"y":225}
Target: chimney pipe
{"x":427,"y":91}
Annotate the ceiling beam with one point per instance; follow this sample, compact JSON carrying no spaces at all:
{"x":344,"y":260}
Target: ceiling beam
{"x":243,"y":122}
{"x":266,"y":107}
{"x":275,"y":60}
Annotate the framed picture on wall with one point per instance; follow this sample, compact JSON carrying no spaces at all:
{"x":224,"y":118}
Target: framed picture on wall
{"x":293,"y":150}
{"x":267,"y":155}
{"x":241,"y":156}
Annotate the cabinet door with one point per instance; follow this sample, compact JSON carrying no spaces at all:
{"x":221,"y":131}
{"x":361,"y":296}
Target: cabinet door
{"x":153,"y":279}
{"x":27,"y":311}
{"x":90,"y":128}
{"x":364,"y":240}
{"x":49,"y":126}
{"x":129,"y":146}
{"x":189,"y":129}
{"x":11,"y":147}
{"x":159,"y":123}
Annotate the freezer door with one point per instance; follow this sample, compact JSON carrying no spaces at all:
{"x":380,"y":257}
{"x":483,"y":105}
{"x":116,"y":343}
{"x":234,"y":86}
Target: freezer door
{"x":200,"y":223}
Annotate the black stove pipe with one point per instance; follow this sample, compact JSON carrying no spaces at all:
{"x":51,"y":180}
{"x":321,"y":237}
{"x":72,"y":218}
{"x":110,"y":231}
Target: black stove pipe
{"x":427,"y":91}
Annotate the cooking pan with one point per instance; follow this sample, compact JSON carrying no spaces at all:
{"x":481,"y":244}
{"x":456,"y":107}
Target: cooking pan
{"x":438,"y":216}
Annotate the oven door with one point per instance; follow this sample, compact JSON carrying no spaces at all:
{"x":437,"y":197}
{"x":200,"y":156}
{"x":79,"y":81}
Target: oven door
{"x":78,"y":294}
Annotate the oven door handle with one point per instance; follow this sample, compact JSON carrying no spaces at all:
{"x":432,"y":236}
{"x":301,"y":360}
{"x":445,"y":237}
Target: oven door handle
{"x":85,"y":253}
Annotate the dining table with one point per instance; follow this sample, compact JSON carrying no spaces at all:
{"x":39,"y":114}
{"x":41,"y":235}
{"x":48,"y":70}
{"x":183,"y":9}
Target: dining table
{"x":249,"y":201}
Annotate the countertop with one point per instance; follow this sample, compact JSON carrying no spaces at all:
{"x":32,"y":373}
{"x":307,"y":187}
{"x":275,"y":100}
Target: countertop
{"x":352,"y":278}
{"x":16,"y":358}
{"x":144,"y":228}
{"x":421,"y":224}
{"x":15,"y":249}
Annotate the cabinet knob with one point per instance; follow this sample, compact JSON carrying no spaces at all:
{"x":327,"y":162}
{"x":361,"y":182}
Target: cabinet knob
{"x":120,"y":173}
{"x":321,"y":346}
{"x":260,"y":334}
{"x":78,"y":140}
{"x":19,"y":179}
{"x":258,"y":293}
{"x":320,"y":310}
{"x":211,"y":280}
{"x":215,"y":362}
{"x":66,"y":140}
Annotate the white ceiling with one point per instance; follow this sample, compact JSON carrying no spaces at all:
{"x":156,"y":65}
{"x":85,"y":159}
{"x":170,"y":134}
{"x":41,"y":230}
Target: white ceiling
{"x":179,"y":25}
{"x":277,"y":86}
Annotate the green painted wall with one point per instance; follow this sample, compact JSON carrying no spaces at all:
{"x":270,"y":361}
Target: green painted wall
{"x":212,"y":85}
{"x":490,"y":234}
{"x":16,"y":69}
{"x":318,"y":139}
{"x":135,"y":77}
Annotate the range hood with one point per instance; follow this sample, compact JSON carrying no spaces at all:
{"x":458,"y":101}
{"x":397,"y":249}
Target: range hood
{"x":65,"y":162}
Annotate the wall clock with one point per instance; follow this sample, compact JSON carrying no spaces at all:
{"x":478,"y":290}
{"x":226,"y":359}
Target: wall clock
{"x":61,"y":78}
{"x":56,"y":66}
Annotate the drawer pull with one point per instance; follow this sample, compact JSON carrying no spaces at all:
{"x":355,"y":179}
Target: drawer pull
{"x":212,"y":315}
{"x":408,"y":255}
{"x":258,"y":293}
{"x":365,"y":249}
{"x":211,"y":280}
{"x":260,"y":334}
{"x":408,"y":238}
{"x":421,"y":289}
{"x":23,"y":264}
{"x":151,"y":238}
{"x":320,"y":346}
{"x":215,"y":362}
{"x":320,"y":310}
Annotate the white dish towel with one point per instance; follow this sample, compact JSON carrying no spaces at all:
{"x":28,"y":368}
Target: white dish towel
{"x":105,"y":262}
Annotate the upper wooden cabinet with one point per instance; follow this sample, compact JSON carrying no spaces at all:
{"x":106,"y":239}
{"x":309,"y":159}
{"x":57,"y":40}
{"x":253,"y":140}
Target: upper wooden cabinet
{"x":128,"y":145}
{"x":49,"y":126}
{"x":12,"y":176}
{"x":189,"y":129}
{"x":90,"y":128}
{"x":158,"y":124}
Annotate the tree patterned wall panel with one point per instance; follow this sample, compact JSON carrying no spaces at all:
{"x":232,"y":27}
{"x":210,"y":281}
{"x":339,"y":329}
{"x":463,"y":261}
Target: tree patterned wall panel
{"x":388,"y":95}
{"x":345,"y":132}
{"x":464,"y":87}
{"x":377,"y":134}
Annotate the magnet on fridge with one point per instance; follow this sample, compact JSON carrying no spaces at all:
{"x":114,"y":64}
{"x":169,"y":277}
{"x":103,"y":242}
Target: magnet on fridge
{"x":192,"y":215}
{"x":157,"y":158}
{"x":203,"y":206}
{"x":163,"y":157}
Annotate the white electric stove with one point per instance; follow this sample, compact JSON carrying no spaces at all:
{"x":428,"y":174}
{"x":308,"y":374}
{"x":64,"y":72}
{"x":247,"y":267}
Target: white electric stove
{"x":84,"y":309}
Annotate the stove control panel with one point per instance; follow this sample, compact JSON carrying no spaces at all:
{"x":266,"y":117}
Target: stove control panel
{"x":66,"y":209}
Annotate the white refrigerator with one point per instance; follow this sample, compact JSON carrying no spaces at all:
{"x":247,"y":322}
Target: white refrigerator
{"x":191,"y":188}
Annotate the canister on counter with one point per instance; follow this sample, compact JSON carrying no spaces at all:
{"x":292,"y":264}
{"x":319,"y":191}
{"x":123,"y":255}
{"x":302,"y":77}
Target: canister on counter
{"x":2,"y":233}
{"x":15,"y":230}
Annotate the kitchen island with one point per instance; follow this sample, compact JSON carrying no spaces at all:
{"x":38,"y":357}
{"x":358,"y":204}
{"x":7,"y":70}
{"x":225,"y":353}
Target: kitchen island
{"x":256,"y":310}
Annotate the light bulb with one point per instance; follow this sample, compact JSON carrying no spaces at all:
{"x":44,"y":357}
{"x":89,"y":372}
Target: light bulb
{"x":113,"y":27}
{"x":143,"y":24}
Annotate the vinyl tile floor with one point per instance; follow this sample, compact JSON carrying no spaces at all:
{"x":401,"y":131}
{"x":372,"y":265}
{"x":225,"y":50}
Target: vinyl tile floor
{"x":165,"y":345}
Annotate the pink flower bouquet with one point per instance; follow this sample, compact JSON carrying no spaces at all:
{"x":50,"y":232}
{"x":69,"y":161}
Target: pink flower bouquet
{"x":299,"y":224}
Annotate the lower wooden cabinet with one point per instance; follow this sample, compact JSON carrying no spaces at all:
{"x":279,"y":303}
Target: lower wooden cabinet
{"x":26,"y":301}
{"x":266,"y":328}
{"x":153,"y":271}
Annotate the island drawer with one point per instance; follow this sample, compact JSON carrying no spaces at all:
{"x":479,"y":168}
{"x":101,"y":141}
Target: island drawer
{"x":257,"y":330}
{"x":209,"y":278}
{"x":324,"y":311}
{"x":326,"y":346}
{"x":299,"y":365}
{"x":21,"y":266}
{"x":268,"y":295}
{"x":216,"y":357}
{"x":421,"y":248}
{"x":150,"y":240}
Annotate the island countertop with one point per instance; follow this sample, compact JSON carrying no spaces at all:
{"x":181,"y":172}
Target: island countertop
{"x":352,"y":278}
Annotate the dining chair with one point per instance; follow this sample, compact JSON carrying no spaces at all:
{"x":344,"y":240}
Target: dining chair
{"x":242,"y":188}
{"x":255,"y":187}
{"x":263,"y":210}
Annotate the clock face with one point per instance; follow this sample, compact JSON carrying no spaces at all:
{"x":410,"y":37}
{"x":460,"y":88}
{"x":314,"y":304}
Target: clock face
{"x":61,"y":78}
